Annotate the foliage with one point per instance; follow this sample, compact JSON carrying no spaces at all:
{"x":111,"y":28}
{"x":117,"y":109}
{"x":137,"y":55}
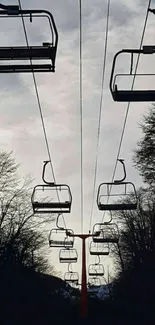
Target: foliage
{"x":144,"y":155}
{"x":135,"y":258}
{"x":20,"y":243}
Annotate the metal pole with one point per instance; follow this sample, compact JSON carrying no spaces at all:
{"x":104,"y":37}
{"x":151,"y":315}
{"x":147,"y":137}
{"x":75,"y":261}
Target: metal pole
{"x":84,"y":302}
{"x":84,"y":296}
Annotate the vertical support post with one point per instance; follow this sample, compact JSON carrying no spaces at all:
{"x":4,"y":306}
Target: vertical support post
{"x":84,"y":294}
{"x":84,"y":307}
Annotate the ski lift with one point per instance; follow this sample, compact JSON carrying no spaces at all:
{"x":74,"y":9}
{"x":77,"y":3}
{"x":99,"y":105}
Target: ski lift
{"x":96,"y":270}
{"x":46,"y":51}
{"x":131,"y":95}
{"x":94,"y":281}
{"x":51,"y":198}
{"x":110,"y":195}
{"x":68,"y":255}
{"x":108,"y":233}
{"x":71,"y":277}
{"x":58,"y":237}
{"x":99,"y":248}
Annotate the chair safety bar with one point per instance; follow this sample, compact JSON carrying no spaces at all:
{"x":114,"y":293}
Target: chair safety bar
{"x":45,"y":52}
{"x":131,"y":95}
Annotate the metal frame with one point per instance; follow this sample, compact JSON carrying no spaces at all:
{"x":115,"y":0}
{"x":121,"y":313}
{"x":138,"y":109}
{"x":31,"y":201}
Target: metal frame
{"x":96,"y":269}
{"x":45,"y":52}
{"x":118,"y":205}
{"x":131,"y":95}
{"x":66,"y":243}
{"x":99,"y":249}
{"x":51,"y":207}
{"x":71,"y":277}
{"x":96,"y":280}
{"x":68,"y":259}
{"x":112,"y":238}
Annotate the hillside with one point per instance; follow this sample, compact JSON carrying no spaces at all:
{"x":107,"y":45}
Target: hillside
{"x":32,"y":298}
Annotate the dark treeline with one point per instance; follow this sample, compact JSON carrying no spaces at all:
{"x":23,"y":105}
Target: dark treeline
{"x":132,"y":297}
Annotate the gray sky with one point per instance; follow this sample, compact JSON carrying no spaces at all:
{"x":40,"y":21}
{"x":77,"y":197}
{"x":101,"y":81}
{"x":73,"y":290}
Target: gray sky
{"x":20,"y":125}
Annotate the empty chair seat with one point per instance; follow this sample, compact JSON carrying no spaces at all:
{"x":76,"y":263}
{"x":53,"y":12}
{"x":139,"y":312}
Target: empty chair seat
{"x":131,"y":95}
{"x":94,"y":281}
{"x":58,"y":238}
{"x":71,"y":277}
{"x":109,"y":233}
{"x":96,"y":270}
{"x":117,"y":196}
{"x":55,"y":198}
{"x":68,"y":255}
{"x":99,"y":248}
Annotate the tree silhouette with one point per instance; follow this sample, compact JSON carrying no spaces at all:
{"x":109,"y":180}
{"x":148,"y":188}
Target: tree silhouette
{"x":144,"y":155}
{"x":134,"y":257}
{"x":20,"y":243}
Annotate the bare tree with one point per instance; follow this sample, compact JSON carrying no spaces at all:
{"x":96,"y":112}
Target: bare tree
{"x":20,"y":240}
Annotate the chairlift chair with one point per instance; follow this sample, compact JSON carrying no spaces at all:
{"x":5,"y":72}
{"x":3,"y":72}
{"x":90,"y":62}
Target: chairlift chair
{"x":109,"y":233}
{"x":113,"y":196}
{"x":58,"y":238}
{"x":51,"y":197}
{"x":71,"y":277}
{"x":99,"y":248}
{"x":45,"y":52}
{"x":96,"y":270}
{"x":131,"y":95}
{"x":112,"y":199}
{"x":68,"y":255}
{"x":94,"y":281}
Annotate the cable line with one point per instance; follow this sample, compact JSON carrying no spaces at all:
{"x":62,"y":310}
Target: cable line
{"x":128,"y":105}
{"x":81,"y":115}
{"x":40,"y":108}
{"x":100,"y":110}
{"x":99,"y":119}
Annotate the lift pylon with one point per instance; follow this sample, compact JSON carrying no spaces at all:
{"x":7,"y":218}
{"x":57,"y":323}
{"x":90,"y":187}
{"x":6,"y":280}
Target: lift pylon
{"x":83,"y":305}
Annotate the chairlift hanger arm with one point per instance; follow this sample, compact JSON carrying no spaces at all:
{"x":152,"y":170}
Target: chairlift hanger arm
{"x":124,"y":177}
{"x":98,"y":260}
{"x":43,"y":173}
{"x":52,"y":183}
{"x":57,"y":220}
{"x":69,"y":270}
